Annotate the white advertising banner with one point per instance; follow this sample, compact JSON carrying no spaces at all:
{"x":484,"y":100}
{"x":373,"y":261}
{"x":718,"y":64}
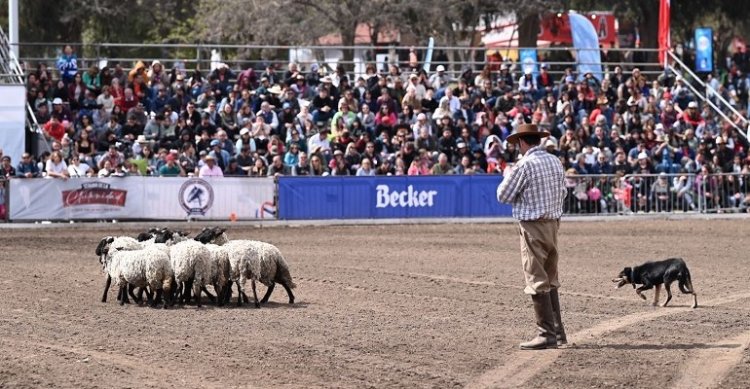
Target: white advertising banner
{"x":158,"y":198}
{"x":13,"y":121}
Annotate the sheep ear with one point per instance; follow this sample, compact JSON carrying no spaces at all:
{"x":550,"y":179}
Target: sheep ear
{"x":110,"y":239}
{"x":221,"y":230}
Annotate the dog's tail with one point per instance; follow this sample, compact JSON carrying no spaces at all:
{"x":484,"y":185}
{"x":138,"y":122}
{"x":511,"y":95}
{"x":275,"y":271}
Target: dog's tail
{"x":685,"y":283}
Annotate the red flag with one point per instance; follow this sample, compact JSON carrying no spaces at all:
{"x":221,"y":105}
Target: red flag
{"x":664,"y":41}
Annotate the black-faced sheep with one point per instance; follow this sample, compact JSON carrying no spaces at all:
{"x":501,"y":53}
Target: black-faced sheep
{"x":252,"y":259}
{"x":146,"y":267}
{"x":101,"y":252}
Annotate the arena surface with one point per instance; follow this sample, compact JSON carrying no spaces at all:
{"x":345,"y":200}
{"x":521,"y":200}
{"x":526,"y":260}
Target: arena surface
{"x":433,"y":306}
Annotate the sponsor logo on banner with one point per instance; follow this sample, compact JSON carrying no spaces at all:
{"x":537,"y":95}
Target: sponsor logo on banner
{"x":196,"y":196}
{"x":94,"y":193}
{"x":409,"y":198}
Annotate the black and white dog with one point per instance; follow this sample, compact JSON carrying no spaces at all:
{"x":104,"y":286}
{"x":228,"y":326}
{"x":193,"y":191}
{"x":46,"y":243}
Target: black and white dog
{"x":654,"y":274}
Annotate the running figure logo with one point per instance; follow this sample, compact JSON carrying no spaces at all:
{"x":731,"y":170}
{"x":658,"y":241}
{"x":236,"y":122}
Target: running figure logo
{"x":196,"y":196}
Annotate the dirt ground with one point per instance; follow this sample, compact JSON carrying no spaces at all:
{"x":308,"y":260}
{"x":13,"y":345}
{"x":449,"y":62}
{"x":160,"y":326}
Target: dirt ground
{"x":413,"y":306}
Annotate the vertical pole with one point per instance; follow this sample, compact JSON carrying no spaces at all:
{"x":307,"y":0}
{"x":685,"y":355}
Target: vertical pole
{"x":6,"y":193}
{"x":13,"y":26}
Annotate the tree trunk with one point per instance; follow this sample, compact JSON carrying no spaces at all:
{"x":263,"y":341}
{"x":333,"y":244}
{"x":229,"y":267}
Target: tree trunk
{"x":347,"y":39}
{"x":649,"y":30}
{"x":528,"y":30}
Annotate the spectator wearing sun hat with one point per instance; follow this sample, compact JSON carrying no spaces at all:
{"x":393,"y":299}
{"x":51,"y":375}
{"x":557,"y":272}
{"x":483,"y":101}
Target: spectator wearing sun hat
{"x":211,"y":168}
{"x":439,"y":80}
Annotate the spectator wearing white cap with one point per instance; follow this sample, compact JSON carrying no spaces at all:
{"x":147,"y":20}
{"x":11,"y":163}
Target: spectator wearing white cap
{"x":268,"y":115}
{"x":454,"y":104}
{"x":527,"y":83}
{"x":439,"y":80}
{"x":418,"y":88}
{"x":421,"y":123}
{"x":692,"y":115}
{"x":244,"y":141}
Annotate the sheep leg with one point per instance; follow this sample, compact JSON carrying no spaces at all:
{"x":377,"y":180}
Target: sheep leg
{"x":219,"y":295}
{"x":176,"y":292}
{"x":167,"y":298}
{"x":124,"y":293}
{"x":288,"y":292}
{"x":149,"y":294}
{"x":255,"y":294}
{"x":240,"y":293}
{"x":186,"y":290}
{"x":106,"y":288}
{"x":156,"y":301}
{"x":268,"y":293}
{"x":197,"y":293}
{"x":131,"y":288}
{"x":209,"y":295}
{"x":150,"y":298}
{"x":227,"y":295}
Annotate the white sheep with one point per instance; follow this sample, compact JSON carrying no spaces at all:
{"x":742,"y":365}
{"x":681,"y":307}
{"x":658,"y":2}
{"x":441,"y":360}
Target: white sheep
{"x":146,"y":267}
{"x":219,"y":271}
{"x":252,"y":259}
{"x":103,"y":248}
{"x":191,"y":263}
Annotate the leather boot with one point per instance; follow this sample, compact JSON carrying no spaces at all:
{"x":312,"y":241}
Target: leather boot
{"x":545,"y":323}
{"x":559,"y":330}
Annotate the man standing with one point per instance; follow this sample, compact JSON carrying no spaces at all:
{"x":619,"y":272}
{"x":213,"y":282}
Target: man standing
{"x":535,"y":187}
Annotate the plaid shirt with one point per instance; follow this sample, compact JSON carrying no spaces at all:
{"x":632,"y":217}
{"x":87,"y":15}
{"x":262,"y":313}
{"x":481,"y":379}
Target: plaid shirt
{"x":536,"y":187}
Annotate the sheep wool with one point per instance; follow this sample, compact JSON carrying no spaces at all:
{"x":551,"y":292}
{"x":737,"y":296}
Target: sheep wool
{"x":146,"y":267}
{"x":149,"y":266}
{"x":220,"y":269}
{"x":190,"y":260}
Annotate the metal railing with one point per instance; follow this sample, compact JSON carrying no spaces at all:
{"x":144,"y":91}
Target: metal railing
{"x":707,"y":94}
{"x":632,"y":194}
{"x":456,"y":59}
{"x":724,"y":192}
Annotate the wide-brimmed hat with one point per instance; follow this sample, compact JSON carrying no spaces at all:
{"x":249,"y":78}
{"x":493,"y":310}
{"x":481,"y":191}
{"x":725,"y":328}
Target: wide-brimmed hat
{"x":276,"y":90}
{"x":527,"y":129}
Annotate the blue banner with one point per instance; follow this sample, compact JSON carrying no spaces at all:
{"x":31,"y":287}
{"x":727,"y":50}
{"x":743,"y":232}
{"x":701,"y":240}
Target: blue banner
{"x":391,"y":197}
{"x":704,"y":50}
{"x":528,"y":61}
{"x":586,"y":42}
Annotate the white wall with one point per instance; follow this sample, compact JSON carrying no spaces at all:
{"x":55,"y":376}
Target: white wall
{"x":13,"y":121}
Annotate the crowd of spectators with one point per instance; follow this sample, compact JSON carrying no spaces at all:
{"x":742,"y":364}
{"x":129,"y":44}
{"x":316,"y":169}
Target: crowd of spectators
{"x":297,"y":120}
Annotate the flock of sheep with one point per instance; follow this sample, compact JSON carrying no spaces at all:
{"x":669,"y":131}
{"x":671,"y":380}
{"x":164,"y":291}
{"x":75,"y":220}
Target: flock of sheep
{"x":171,"y":268}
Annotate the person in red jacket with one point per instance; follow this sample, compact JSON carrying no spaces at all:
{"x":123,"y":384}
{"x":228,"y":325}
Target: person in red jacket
{"x":54,"y":129}
{"x":691,"y":115}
